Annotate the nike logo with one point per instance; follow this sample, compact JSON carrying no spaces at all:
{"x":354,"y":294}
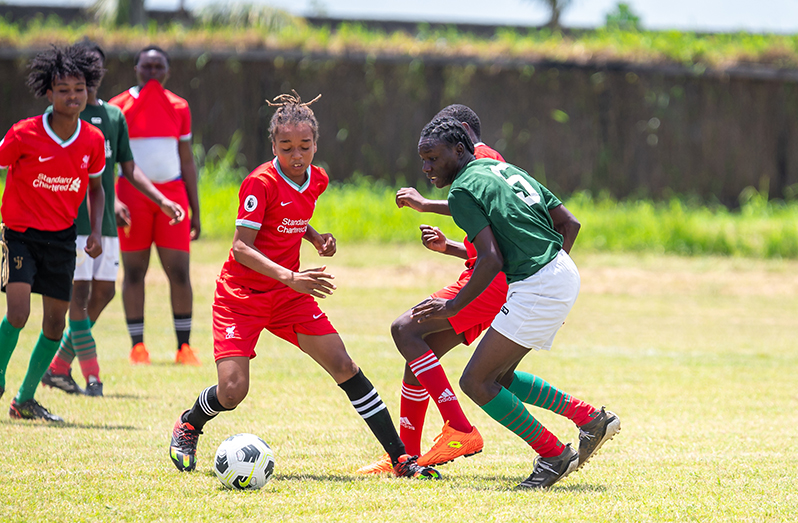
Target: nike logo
{"x":317,"y":316}
{"x":283,"y":204}
{"x":46,"y":159}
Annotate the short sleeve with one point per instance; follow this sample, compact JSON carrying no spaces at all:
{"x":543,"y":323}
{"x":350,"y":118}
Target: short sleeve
{"x":185,"y":123}
{"x":123,"y":151}
{"x":468,"y":214}
{"x":97,"y":161}
{"x":251,"y":203}
{"x":549,"y":198}
{"x":9,"y":149}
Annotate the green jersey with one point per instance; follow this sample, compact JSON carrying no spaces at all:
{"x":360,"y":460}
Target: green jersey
{"x":110,"y":120}
{"x":515,"y":206}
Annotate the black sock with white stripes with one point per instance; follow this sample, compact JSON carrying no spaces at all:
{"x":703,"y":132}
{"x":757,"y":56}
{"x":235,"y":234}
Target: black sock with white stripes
{"x":182,"y":328}
{"x":369,"y":405}
{"x":205,"y":409}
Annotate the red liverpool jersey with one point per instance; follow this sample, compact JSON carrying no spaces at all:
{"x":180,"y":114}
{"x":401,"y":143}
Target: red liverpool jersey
{"x":154,"y":112}
{"x":480,"y":151}
{"x":279,"y":210}
{"x":48,"y":177}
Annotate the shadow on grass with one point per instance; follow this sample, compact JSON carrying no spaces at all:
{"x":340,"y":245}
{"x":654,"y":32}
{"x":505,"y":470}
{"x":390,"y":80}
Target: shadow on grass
{"x":66,"y":425}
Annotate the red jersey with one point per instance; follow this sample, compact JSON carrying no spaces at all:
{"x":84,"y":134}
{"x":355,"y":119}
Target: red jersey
{"x":480,"y":151}
{"x":279,"y":210}
{"x":48,"y":177}
{"x":154,"y":112}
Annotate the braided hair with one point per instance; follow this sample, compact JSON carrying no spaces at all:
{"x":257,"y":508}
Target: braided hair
{"x":291,"y":110}
{"x":61,"y":62}
{"x":449,"y":130}
{"x":463,"y":113}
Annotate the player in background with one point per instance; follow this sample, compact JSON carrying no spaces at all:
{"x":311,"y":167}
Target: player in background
{"x":160,"y":137}
{"x":51,"y":160}
{"x":261,"y":287}
{"x":510,"y":217}
{"x":93,"y":285}
{"x":422,"y":344}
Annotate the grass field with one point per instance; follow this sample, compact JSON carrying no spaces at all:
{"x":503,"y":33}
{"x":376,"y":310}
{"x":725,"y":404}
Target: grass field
{"x":696,"y":355}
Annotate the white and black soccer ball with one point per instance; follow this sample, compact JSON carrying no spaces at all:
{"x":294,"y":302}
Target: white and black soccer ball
{"x":244,"y":462}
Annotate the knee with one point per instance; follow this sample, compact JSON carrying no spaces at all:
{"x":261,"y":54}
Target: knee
{"x":401,"y":332}
{"x":18,"y":317}
{"x":134,"y":275}
{"x":53,"y":327}
{"x":105,"y":294}
{"x":232,"y":391}
{"x":472,"y":386}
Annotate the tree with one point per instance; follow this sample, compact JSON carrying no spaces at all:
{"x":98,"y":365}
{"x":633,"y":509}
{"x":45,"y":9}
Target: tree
{"x":623,"y":18}
{"x":120,"y":12}
{"x":556,"y":7}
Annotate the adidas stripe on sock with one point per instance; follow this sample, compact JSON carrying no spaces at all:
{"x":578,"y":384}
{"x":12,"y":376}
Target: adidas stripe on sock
{"x":431,"y":375}
{"x":413,"y":411}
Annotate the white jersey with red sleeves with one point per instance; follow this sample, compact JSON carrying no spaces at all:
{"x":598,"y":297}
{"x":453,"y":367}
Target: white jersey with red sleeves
{"x":157,"y":120}
{"x":47,"y":176}
{"x":480,"y":151}
{"x":279,"y":210}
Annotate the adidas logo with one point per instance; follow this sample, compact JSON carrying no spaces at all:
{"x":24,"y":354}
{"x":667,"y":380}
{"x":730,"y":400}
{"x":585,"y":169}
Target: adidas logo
{"x":404,"y":422}
{"x":446,"y":395}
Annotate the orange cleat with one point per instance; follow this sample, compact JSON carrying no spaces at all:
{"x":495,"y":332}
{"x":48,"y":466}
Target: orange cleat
{"x":451,"y":444}
{"x":187,"y":356}
{"x":381,"y":466}
{"x":139,"y":355}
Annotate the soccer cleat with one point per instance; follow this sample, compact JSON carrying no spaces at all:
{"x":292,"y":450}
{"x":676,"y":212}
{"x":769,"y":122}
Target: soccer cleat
{"x":595,"y":433}
{"x":94,"y":387}
{"x":61,"y":381}
{"x":549,"y":471}
{"x":381,"y":466}
{"x":139,"y":355}
{"x":31,"y":409}
{"x":183,"y":447}
{"x":187,"y":356}
{"x":451,"y":444}
{"x":407,"y":467}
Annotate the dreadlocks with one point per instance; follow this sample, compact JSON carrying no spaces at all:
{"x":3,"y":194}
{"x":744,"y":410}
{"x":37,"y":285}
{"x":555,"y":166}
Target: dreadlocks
{"x":292,"y":110}
{"x":449,"y":130}
{"x":61,"y":62}
{"x":463,"y":113}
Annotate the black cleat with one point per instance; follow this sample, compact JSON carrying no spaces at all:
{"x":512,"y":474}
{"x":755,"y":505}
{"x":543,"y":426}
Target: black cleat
{"x":61,"y":381}
{"x":94,"y":387}
{"x":183,"y":447}
{"x":407,"y":467}
{"x":592,"y":436}
{"x":549,"y":471}
{"x":31,"y":409}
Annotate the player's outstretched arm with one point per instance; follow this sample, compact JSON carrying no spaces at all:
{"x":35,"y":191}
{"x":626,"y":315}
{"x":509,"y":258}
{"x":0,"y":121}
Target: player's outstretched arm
{"x":434,"y":240}
{"x":139,"y":180}
{"x":410,"y":197}
{"x":311,"y":281}
{"x":566,"y":224}
{"x":325,"y":243}
{"x":489,"y":263}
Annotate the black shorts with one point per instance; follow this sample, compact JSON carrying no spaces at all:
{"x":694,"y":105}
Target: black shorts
{"x":43,"y":259}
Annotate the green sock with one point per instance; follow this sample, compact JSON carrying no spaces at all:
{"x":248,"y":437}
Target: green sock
{"x":9,"y":335}
{"x":40,"y":359}
{"x":536,"y":391}
{"x":508,"y":410}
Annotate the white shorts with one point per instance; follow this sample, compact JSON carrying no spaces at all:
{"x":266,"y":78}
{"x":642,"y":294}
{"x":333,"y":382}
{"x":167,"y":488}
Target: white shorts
{"x":537,"y":306}
{"x":102,"y":268}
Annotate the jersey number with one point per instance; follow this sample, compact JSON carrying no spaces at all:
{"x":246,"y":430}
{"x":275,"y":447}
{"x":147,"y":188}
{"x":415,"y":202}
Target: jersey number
{"x":531,"y":197}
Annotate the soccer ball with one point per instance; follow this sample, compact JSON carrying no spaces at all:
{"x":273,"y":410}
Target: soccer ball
{"x":244,"y":462}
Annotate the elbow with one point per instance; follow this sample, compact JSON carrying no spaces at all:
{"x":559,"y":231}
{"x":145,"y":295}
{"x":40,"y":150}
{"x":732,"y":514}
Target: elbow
{"x":238,"y":251}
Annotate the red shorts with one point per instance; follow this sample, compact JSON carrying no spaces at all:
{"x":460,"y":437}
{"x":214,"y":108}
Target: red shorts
{"x":240,"y":314}
{"x":148,"y":224}
{"x":477,"y":315}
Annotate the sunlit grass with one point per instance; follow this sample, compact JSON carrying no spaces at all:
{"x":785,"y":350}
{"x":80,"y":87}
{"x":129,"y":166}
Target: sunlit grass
{"x":693,"y":354}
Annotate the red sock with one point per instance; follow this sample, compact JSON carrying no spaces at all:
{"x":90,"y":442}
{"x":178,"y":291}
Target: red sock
{"x":59,"y":365}
{"x":579,"y":412}
{"x":429,"y":372}
{"x":90,"y":367}
{"x":412,"y":411}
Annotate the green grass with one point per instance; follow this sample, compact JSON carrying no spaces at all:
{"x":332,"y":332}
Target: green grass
{"x":694,"y":50}
{"x":695,"y":355}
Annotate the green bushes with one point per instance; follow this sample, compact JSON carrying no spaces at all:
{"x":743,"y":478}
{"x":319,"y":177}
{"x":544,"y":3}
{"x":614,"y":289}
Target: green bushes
{"x":364,"y":210}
